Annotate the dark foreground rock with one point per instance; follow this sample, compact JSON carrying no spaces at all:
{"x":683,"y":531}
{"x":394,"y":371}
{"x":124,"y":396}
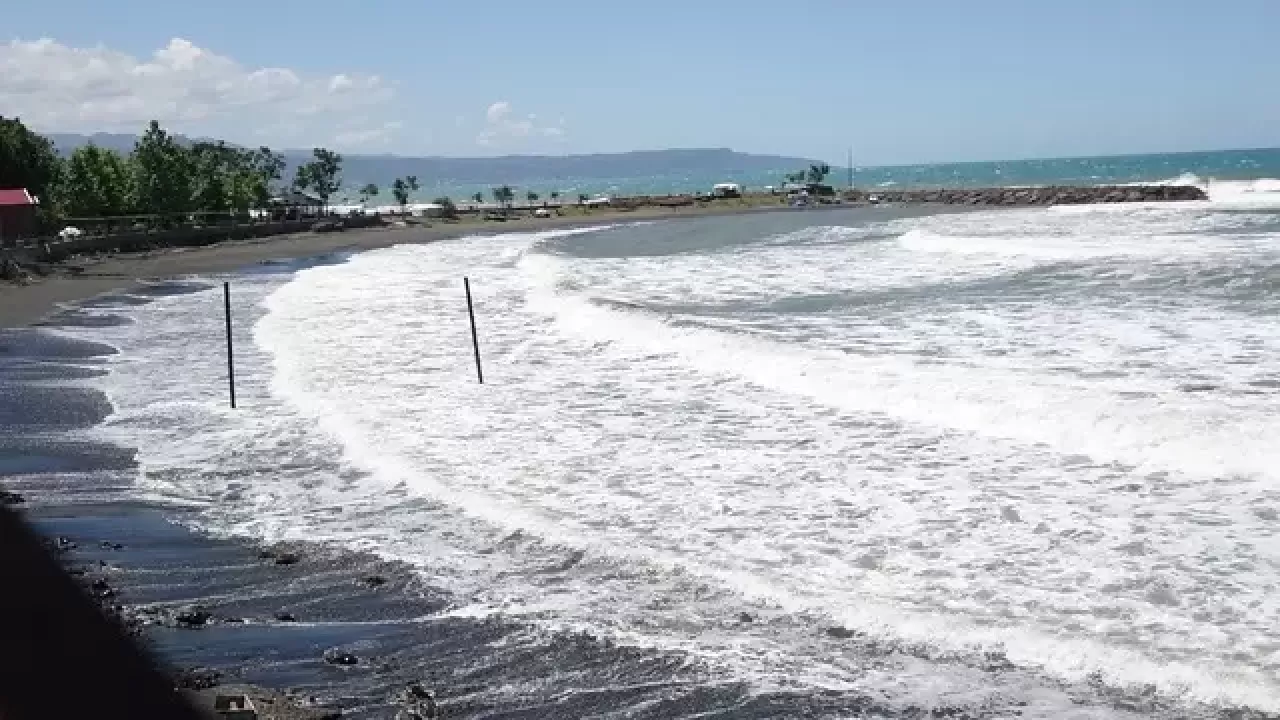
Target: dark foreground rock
{"x":1022,"y":197}
{"x":417,"y":703}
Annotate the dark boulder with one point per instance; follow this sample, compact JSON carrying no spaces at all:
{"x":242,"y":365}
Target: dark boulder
{"x":840,"y":632}
{"x":100,"y":589}
{"x":373,"y":581}
{"x":11,"y":498}
{"x":193,"y":617}
{"x":334,"y":657}
{"x":285,"y":617}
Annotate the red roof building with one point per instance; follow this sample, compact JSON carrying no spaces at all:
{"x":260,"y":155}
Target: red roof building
{"x":17,"y":214}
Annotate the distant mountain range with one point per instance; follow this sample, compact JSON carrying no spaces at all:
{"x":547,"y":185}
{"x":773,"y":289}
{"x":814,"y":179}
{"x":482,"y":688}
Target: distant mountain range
{"x":512,"y":169}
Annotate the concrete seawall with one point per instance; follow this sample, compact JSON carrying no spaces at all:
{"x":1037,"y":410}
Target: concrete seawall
{"x":1033,"y":196}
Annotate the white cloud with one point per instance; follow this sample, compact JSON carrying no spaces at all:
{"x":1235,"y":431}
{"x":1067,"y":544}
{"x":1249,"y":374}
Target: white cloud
{"x":54,"y":87}
{"x":504,"y":128}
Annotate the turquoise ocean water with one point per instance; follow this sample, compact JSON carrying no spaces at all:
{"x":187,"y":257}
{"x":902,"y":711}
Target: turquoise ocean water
{"x":1193,"y":167}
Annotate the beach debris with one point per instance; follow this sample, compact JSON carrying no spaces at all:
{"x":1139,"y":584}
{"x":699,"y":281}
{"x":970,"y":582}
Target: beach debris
{"x":11,"y":498}
{"x":59,"y":545}
{"x":100,"y":589}
{"x":335,"y":657}
{"x":285,"y":617}
{"x":11,"y":271}
{"x":235,"y":707}
{"x":281,"y":556}
{"x":840,"y":632}
{"x":745,"y":618}
{"x":193,"y":617}
{"x":373,"y":581}
{"x":418,"y":703}
{"x":196,"y":679}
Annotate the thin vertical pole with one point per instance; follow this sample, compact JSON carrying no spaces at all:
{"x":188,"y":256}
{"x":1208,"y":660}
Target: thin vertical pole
{"x":475,"y":339}
{"x":231,"y":363}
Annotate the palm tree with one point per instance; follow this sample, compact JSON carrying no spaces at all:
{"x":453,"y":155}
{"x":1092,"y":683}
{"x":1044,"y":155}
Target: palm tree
{"x":367,"y":192}
{"x":555,"y":195}
{"x":504,"y":196}
{"x":582,"y":199}
{"x":478,"y":198}
{"x":532,"y":197}
{"x":400,"y":189}
{"x":818,"y":172}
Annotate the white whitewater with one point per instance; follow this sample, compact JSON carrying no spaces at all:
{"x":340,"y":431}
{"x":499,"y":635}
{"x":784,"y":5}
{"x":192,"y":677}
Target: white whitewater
{"x":1046,"y":434}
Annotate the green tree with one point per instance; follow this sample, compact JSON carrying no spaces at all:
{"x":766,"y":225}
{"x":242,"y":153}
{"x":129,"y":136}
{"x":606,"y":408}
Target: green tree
{"x":531,"y":196}
{"x":367,"y":192}
{"x":162,"y":172}
{"x":403,"y":188}
{"x":97,"y":182}
{"x":226,"y":178}
{"x":447,"y":208}
{"x":268,"y":169}
{"x":504,"y":196}
{"x":817,"y":173}
{"x":555,"y":195}
{"x":302,"y":177}
{"x":29,"y":160}
{"x":582,"y":199}
{"x":478,"y":198}
{"x":214,"y":176}
{"x":400,"y":189}
{"x":322,"y":175}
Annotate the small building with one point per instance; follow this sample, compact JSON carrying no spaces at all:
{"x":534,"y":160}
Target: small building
{"x":295,"y":204}
{"x":726,"y":190}
{"x":17,"y":215}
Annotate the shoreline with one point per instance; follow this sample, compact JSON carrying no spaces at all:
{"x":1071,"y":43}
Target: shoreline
{"x":27,"y":304}
{"x":23,"y":305}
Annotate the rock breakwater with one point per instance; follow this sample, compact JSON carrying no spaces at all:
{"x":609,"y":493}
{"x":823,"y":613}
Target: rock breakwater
{"x":1030,"y":196}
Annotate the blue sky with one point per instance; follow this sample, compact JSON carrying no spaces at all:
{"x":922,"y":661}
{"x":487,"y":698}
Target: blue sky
{"x":928,"y":80}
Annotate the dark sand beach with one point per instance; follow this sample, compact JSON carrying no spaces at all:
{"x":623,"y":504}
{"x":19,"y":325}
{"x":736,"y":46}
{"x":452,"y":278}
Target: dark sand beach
{"x":24,"y":304}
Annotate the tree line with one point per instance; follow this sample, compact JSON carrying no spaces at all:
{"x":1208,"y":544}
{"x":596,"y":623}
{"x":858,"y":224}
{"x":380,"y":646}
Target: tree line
{"x":161,"y":175}
{"x":813,"y":175}
{"x":165,"y":176}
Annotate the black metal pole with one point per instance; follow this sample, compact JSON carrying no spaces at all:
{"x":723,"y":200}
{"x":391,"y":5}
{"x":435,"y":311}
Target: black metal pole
{"x":475,"y":339}
{"x":231,"y":362}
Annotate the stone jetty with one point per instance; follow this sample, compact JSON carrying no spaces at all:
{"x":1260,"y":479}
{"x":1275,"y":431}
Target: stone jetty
{"x":1028,"y":196}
